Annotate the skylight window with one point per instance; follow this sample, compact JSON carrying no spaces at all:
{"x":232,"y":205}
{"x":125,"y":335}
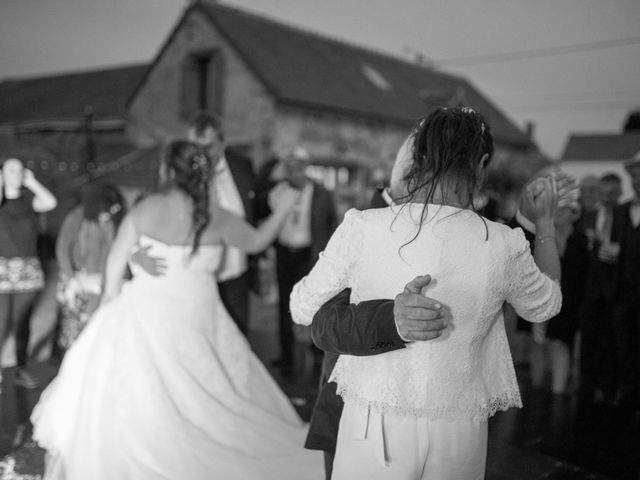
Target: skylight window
{"x":375,"y":77}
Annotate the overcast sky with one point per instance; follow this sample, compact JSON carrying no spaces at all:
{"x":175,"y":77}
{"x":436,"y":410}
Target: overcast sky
{"x":590,"y":89}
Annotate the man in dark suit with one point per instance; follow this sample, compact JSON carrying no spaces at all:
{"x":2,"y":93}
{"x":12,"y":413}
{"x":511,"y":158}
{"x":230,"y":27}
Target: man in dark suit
{"x":597,"y":341}
{"x":304,"y":235}
{"x":378,"y":326}
{"x":233,"y":184}
{"x":626,"y":315}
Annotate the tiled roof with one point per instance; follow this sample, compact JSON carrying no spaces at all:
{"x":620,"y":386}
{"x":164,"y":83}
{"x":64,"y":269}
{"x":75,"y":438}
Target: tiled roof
{"x":602,"y":146}
{"x":65,"y":96}
{"x":310,"y":70}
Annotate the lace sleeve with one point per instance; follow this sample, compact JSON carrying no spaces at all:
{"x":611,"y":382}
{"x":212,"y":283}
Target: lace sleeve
{"x":331,"y":273}
{"x":534,"y":295}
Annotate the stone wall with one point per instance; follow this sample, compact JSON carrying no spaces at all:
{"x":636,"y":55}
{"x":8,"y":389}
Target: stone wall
{"x":156,"y":112}
{"x":331,"y":135}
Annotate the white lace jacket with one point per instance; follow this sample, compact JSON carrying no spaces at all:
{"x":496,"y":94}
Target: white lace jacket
{"x":477,"y":266}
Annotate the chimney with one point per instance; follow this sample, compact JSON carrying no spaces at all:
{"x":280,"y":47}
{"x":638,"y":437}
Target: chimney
{"x":530,"y":128}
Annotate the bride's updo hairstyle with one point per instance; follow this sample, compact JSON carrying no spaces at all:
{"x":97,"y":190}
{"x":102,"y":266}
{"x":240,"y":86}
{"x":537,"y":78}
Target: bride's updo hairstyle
{"x":448,"y":146}
{"x":190,"y":169}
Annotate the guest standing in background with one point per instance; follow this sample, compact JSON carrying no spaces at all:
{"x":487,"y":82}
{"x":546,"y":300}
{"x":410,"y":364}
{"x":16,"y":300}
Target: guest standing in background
{"x":22,"y":197}
{"x":626,"y":316}
{"x":559,"y":332}
{"x":82,"y":248}
{"x":589,"y":200}
{"x":303,"y":236}
{"x":597,"y":342}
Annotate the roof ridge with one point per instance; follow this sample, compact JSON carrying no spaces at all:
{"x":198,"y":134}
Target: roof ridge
{"x":266,"y":18}
{"x":603,"y":134}
{"x":73,"y":73}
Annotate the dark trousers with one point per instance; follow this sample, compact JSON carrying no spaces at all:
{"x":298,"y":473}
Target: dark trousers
{"x":328,"y":464}
{"x":597,"y":347}
{"x":291,"y":265}
{"x":15,"y":311}
{"x":626,"y":327}
{"x":235,"y":297}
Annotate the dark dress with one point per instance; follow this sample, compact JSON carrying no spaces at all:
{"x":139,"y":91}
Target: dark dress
{"x":574,"y":266}
{"x":20,"y":269}
{"x":21,"y":275}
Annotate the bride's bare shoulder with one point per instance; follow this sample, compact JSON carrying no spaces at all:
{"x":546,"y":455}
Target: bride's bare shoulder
{"x":152,"y":208}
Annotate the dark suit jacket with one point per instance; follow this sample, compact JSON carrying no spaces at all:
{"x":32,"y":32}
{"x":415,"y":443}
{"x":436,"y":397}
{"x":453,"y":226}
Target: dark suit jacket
{"x":241,"y":169}
{"x":587,"y":220}
{"x":340,"y":327}
{"x":323,"y":220}
{"x":245,"y":179}
{"x":628,"y":273}
{"x":601,"y":277}
{"x":574,"y":266}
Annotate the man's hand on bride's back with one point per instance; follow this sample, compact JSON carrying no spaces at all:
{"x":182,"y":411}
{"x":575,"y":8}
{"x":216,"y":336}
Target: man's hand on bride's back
{"x":155,"y":266}
{"x":417,"y":316}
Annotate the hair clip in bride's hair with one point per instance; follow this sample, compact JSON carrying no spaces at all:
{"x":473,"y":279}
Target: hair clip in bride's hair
{"x":199,"y":162}
{"x":471,"y":111}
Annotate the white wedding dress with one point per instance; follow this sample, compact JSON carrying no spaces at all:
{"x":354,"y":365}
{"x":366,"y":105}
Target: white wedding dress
{"x":162,"y":385}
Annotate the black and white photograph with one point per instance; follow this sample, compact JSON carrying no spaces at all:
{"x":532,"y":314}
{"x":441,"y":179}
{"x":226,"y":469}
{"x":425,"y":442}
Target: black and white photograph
{"x":304,"y":240}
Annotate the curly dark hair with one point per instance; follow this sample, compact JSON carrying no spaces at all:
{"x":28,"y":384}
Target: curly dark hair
{"x":192,"y":173}
{"x":103,"y":197}
{"x":448,"y":146}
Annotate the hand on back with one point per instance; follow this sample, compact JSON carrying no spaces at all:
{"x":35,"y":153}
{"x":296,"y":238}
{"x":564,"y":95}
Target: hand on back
{"x":155,"y":266}
{"x":417,"y":316}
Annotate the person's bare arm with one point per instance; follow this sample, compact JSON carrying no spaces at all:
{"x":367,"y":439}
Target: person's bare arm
{"x":241,"y":234}
{"x":43,"y":199}
{"x":543,"y":207}
{"x":66,"y":236}
{"x":126,"y":238}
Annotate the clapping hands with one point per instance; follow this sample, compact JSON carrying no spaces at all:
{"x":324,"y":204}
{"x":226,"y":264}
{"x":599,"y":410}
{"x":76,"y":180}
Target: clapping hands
{"x":283,"y":197}
{"x":566,"y":186}
{"x":540,"y":199}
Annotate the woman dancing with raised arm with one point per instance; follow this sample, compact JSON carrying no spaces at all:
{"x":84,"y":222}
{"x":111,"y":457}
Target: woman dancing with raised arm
{"x":161,"y":384}
{"x":421,"y":412}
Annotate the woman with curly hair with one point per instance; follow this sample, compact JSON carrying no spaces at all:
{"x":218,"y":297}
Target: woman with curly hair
{"x":421,"y":412}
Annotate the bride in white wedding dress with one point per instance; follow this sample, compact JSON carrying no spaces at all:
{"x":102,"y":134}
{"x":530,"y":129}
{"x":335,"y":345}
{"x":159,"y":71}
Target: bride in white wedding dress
{"x":161,"y":384}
